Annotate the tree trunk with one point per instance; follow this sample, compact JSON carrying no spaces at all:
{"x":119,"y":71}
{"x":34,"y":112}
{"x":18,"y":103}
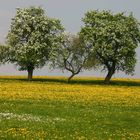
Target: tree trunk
{"x":70,"y":77}
{"x":30,"y":74}
{"x":108,"y":77}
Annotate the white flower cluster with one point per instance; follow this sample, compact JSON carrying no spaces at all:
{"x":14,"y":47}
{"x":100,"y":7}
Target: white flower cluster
{"x":27,"y":117}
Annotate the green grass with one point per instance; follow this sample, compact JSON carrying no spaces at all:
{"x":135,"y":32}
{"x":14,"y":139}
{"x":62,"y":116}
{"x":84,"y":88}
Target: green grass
{"x":50,"y":109}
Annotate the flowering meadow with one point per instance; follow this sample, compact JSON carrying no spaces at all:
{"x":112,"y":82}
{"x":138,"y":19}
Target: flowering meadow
{"x":48,"y":108}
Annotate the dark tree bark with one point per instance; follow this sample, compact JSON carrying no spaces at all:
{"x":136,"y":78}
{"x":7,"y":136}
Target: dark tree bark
{"x":109,"y":76}
{"x":30,"y":73}
{"x":71,"y":77}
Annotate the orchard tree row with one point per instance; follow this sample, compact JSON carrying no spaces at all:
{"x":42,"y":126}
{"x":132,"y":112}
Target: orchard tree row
{"x":106,"y":41}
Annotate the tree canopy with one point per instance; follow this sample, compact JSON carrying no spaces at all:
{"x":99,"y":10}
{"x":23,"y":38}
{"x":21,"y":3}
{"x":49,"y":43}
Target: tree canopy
{"x":114,"y":38}
{"x":71,"y":55}
{"x":4,"y":54}
{"x":31,"y":37}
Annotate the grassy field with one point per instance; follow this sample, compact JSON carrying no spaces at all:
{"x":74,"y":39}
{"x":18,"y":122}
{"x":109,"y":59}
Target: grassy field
{"x":50,"y":109}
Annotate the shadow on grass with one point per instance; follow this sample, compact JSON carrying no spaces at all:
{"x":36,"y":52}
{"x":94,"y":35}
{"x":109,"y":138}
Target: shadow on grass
{"x":80,"y":81}
{"x":101,"y":82}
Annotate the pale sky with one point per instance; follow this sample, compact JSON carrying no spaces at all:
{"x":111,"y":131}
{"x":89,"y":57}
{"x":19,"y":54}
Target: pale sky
{"x":70,"y":13}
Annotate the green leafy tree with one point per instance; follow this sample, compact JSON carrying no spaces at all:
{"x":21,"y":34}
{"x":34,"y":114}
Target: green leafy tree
{"x":31,"y":38}
{"x":114,"y":38}
{"x":71,"y":55}
{"x":4,"y":54}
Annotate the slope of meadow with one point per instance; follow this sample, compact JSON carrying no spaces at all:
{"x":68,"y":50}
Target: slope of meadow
{"x":85,"y":109}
